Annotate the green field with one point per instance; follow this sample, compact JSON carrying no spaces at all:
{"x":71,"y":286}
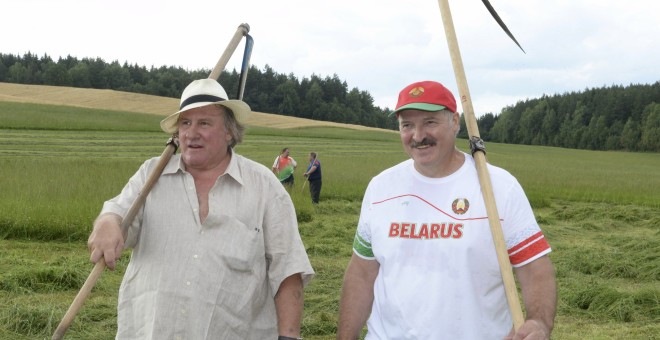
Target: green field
{"x":599,"y":210}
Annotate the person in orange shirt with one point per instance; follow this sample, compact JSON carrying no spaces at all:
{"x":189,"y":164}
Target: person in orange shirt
{"x":284,"y":166}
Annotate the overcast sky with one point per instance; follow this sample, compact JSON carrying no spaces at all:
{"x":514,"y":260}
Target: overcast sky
{"x":376,"y":46}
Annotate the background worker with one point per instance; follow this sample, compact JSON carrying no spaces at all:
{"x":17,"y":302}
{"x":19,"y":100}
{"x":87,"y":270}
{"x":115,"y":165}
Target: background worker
{"x":313,"y":175}
{"x":216,"y":249}
{"x":284,"y":167}
{"x":424,"y":265}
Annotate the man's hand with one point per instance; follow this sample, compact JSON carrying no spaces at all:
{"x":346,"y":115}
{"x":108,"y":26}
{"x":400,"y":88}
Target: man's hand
{"x":530,"y":330}
{"x":106,"y":240}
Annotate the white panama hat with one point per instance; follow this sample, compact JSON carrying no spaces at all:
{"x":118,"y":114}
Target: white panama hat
{"x":204,"y":92}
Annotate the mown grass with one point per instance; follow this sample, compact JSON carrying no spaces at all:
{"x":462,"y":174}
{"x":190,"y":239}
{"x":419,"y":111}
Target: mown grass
{"x":53,"y":117}
{"x":598,"y":209}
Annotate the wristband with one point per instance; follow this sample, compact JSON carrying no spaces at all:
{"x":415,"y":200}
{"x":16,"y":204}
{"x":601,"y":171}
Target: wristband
{"x":282,"y":337}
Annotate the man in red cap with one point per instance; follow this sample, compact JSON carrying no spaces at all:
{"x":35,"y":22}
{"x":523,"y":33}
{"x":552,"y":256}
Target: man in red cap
{"x":424,"y":265}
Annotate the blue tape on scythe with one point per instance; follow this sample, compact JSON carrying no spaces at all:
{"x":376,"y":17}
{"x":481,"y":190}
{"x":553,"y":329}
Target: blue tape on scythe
{"x":249,"y":42}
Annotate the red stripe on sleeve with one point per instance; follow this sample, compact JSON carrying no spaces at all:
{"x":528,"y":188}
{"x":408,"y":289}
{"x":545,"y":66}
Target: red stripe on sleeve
{"x":525,"y":242}
{"x":529,"y":248}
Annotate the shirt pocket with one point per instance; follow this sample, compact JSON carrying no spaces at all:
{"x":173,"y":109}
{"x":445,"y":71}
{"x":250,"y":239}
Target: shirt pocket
{"x":242,"y":261}
{"x":241,"y":246}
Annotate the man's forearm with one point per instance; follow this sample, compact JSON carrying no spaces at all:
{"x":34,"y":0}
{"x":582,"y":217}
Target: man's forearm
{"x":539,"y":291}
{"x":357,"y":296}
{"x":289,"y":306}
{"x":354,"y":309}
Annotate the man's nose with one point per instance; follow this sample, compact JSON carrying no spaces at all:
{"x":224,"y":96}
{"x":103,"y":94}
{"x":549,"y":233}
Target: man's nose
{"x":418,"y":133}
{"x":192,"y":130}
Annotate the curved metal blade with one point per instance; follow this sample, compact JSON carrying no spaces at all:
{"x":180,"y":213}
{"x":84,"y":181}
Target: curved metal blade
{"x":501,"y":23}
{"x":245,"y":66}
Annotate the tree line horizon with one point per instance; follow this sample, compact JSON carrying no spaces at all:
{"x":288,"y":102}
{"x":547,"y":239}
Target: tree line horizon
{"x":614,"y":117}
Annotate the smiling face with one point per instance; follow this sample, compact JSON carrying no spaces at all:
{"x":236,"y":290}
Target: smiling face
{"x":203,"y":138}
{"x":429,"y":138}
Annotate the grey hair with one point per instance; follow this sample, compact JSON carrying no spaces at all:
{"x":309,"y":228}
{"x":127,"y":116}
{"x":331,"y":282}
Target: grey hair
{"x":235,"y":129}
{"x":459,"y":126}
{"x":449,"y":115}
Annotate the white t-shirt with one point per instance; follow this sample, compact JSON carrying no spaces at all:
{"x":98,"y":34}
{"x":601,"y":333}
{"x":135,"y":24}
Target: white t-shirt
{"x":439,"y":277}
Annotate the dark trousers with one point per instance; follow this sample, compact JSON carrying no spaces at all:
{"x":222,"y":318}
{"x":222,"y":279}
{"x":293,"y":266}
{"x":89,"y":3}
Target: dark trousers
{"x":315,"y":189}
{"x":288,"y":181}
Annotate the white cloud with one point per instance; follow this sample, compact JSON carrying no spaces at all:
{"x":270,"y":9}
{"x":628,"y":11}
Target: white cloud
{"x":377,"y":46}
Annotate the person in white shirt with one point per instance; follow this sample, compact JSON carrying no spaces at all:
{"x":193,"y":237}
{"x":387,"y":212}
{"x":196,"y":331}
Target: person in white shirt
{"x":424,"y":265}
{"x":216,"y":249}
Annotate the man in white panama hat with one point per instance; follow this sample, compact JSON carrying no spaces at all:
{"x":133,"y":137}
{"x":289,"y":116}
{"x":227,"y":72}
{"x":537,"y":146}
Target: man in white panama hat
{"x":216,"y":249}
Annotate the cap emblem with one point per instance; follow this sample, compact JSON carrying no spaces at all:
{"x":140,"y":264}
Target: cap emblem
{"x":416,"y":91}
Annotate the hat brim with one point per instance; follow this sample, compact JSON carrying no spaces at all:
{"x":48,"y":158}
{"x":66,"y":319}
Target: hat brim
{"x":418,"y":106}
{"x":239,"y":108}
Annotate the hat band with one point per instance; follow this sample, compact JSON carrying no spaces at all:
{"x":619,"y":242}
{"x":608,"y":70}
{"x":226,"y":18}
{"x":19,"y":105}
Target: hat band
{"x":199,"y":99}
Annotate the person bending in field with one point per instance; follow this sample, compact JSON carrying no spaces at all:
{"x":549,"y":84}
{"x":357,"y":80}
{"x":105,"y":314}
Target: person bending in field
{"x":216,"y":249}
{"x":424,"y":265}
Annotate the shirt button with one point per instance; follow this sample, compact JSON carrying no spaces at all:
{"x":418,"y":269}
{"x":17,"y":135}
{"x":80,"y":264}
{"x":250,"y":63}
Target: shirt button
{"x":195,"y":256}
{"x":187,"y":283}
{"x":195,"y":210}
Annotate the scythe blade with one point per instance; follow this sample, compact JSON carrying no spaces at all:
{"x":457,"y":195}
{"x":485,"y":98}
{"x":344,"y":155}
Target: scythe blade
{"x":501,"y":23}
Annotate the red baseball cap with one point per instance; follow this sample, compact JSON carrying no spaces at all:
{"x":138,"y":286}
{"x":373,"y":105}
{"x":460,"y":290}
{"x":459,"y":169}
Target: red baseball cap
{"x":425,"y":96}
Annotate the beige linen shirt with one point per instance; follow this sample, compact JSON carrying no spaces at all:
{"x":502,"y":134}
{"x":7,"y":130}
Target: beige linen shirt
{"x":211,"y":280}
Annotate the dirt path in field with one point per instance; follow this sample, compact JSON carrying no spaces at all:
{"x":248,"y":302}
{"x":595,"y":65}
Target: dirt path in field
{"x":134,"y":102}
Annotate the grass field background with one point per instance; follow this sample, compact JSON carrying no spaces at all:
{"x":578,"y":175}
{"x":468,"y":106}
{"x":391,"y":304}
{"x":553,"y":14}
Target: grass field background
{"x":599,"y":211}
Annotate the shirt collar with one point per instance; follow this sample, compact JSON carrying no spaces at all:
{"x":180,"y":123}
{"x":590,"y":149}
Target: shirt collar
{"x":233,"y":169}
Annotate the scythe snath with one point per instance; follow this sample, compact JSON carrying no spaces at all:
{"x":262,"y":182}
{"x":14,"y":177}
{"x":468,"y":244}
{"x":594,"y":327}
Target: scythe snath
{"x":170,"y":149}
{"x":479,"y":154}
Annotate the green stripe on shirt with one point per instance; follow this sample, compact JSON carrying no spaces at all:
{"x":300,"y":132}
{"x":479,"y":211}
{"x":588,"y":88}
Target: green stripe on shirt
{"x":362,"y":247}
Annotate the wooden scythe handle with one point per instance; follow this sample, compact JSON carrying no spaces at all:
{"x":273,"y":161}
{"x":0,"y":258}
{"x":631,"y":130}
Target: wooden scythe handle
{"x":172,"y":145}
{"x":482,"y":170}
{"x":242,"y":30}
{"x":126,"y":221}
{"x":79,"y":300}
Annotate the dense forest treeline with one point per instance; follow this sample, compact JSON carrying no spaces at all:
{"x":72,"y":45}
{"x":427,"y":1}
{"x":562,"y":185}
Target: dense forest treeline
{"x":609,"y":118}
{"x":327,"y":99}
